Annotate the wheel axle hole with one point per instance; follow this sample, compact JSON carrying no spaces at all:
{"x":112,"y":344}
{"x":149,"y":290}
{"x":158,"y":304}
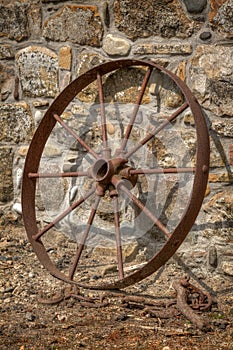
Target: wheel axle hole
{"x":100,"y":170}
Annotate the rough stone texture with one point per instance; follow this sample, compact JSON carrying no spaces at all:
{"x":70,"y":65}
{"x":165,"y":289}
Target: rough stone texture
{"x":124,"y":86}
{"x":211,"y":78}
{"x":220,"y":207}
{"x":7,"y":76}
{"x":35,"y":19}
{"x":45,"y":54}
{"x":219,"y":177}
{"x":231,"y":154}
{"x":223,"y":127}
{"x":221,"y":17}
{"x":6,"y":51}
{"x":6,"y":179}
{"x":78,"y":24}
{"x":88,"y":60}
{"x":196,"y":6}
{"x":116,"y":46}
{"x":14,"y":21}
{"x":163,"y":49}
{"x":143,"y":19}
{"x":65,"y":57}
{"x":38,"y":71}
{"x":16,"y":123}
{"x":227,"y":267}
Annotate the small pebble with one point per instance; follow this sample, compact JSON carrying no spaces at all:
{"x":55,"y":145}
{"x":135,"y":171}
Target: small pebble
{"x":38,"y":116}
{"x":30,"y":317}
{"x":205,"y":36}
{"x":17,"y":207}
{"x":110,"y":128}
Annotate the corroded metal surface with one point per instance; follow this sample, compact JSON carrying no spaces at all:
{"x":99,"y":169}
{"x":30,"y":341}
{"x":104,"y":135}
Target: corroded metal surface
{"x":113,"y":173}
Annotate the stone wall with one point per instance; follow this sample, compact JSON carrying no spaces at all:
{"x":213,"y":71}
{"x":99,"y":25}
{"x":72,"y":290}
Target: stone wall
{"x":45,"y":44}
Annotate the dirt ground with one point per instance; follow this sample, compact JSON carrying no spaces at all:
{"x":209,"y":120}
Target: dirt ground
{"x":27,"y":323}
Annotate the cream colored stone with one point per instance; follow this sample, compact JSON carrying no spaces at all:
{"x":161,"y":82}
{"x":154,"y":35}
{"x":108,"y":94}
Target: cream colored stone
{"x":171,"y":48}
{"x":23,"y":150}
{"x":114,"y":45}
{"x":110,"y":128}
{"x":227,"y":267}
{"x":65,"y":57}
{"x":38,"y":70}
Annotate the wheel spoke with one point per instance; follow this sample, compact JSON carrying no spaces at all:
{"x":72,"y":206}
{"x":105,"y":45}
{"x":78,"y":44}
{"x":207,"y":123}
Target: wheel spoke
{"x":51,"y":175}
{"x":118,"y":237}
{"x":63,"y":215}
{"x":136,"y":108}
{"x":162,"y":171}
{"x":156,"y":130}
{"x":103,"y":117}
{"x":83,"y":143}
{"x":120,"y":184}
{"x":84,"y":238}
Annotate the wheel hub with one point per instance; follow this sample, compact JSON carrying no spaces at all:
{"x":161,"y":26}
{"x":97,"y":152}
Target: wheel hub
{"x":103,"y":171}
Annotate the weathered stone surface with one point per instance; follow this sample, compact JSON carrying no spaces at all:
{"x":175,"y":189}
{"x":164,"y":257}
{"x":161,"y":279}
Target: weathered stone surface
{"x":65,"y":57}
{"x":219,"y":177}
{"x":64,"y":79}
{"x":38,"y":68}
{"x":123,"y":86}
{"x":213,"y":257}
{"x":196,"y":6}
{"x":6,"y":180}
{"x":170,"y":94}
{"x":171,"y":48}
{"x":88,"y":60}
{"x":16,"y":123}
{"x":223,"y":127}
{"x":35,"y":19}
{"x":222,"y":17}
{"x":6,"y":51}
{"x":216,"y":159}
{"x":231,"y":154}
{"x":78,"y":24}
{"x":116,"y":46}
{"x":52,"y":151}
{"x":7,"y":75}
{"x":140,"y":19}
{"x":227,"y":267}
{"x":40,"y":103}
{"x":129,"y":251}
{"x":13,"y":21}
{"x":220,"y":207}
{"x":211,"y":70}
{"x":214,"y":7}
{"x":52,"y":194}
{"x":22,"y":151}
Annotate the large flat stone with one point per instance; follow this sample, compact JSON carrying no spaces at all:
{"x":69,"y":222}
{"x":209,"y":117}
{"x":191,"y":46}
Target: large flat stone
{"x":16,"y":123}
{"x":38,"y":68}
{"x":14,"y":21}
{"x":141,"y":19}
{"x":79,"y":24}
{"x":211,"y":71}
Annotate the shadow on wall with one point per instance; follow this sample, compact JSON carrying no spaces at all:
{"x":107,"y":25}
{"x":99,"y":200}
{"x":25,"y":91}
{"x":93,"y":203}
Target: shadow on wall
{"x":218,"y":145}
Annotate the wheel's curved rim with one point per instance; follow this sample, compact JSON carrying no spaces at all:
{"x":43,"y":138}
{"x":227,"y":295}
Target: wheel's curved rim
{"x":36,"y":149}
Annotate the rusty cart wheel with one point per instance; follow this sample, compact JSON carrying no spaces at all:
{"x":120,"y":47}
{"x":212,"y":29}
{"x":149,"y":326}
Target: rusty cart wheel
{"x":128,"y":179}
